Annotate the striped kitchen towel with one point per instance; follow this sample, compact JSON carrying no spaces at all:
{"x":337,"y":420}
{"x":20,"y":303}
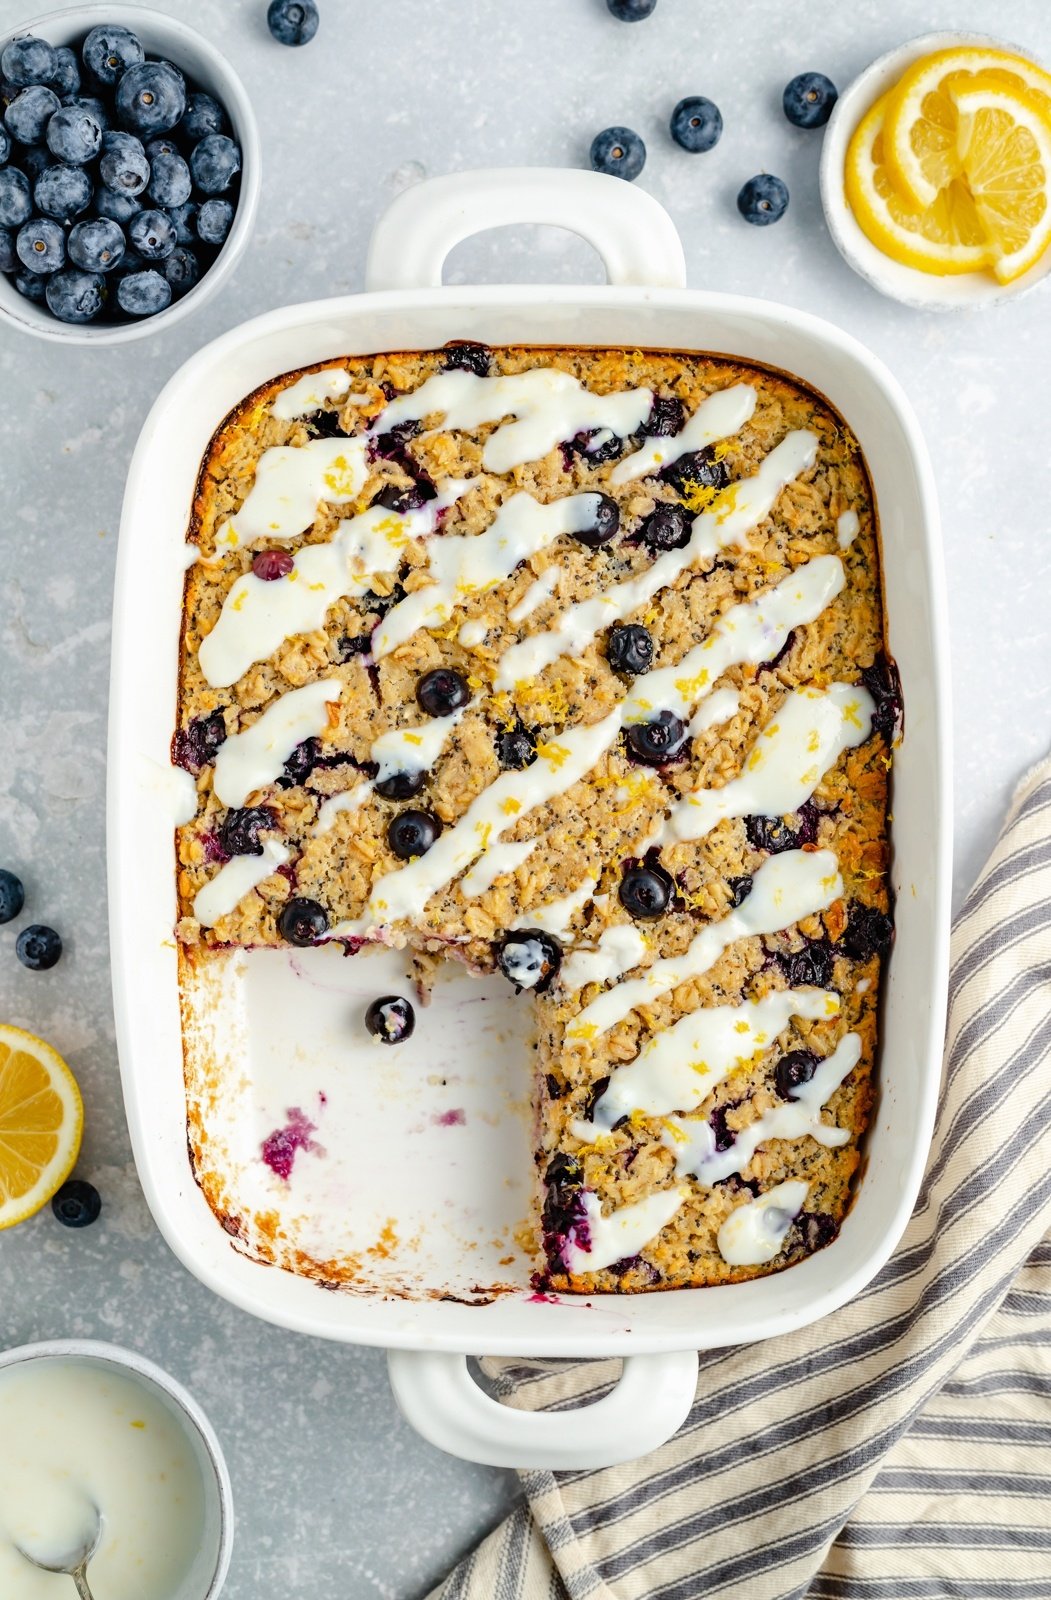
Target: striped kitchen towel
{"x":902,"y":1447}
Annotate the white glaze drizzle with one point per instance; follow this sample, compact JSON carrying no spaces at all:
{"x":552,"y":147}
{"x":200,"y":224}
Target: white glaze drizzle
{"x":249,"y":761}
{"x":290,"y":484}
{"x":624,"y":1232}
{"x":802,"y":741}
{"x":408,"y":750}
{"x":310,"y":392}
{"x":349,"y":800}
{"x":507,"y":856}
{"x":719,"y":707}
{"x":473,"y":632}
{"x":618,"y":950}
{"x":550,"y":406}
{"x":218,"y":897}
{"x":539,"y":590}
{"x":722,"y":414}
{"x":847,"y":528}
{"x":557,"y":915}
{"x":786,"y":888}
{"x":754,"y":1233}
{"x":676,"y":1069}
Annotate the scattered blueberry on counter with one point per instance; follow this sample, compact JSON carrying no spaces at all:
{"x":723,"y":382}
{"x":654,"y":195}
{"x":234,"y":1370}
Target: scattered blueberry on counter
{"x":295,"y":22}
{"x":38,"y":947}
{"x":12,"y":895}
{"x":763,"y":199}
{"x":808,"y":100}
{"x":696,"y":124}
{"x":77,"y":1204}
{"x":631,"y":10}
{"x":390,"y":1019}
{"x":618,"y":152}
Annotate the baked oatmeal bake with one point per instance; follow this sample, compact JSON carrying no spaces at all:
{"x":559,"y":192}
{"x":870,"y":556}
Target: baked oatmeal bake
{"x":568,"y":662}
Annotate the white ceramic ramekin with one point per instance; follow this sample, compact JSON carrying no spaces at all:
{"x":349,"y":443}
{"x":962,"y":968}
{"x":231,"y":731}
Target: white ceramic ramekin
{"x":922,"y":290}
{"x":209,"y":70}
{"x":207,"y":1576}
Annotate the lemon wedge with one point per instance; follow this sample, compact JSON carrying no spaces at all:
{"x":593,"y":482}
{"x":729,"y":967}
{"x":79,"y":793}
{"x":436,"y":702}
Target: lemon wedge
{"x":946,"y":237}
{"x":1004,"y":140}
{"x":41,"y":1119}
{"x":921,"y":133}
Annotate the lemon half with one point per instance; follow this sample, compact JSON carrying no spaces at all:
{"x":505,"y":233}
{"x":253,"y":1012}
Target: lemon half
{"x":41,"y":1120}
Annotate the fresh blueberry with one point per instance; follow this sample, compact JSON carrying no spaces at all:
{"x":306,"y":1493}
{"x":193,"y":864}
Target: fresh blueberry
{"x":618,"y":152}
{"x":292,"y":21}
{"x":646,"y":892}
{"x":809,"y":968}
{"x":658,"y":741}
{"x":215,"y":162}
{"x":390,"y":1019}
{"x":28,"y":60}
{"x":31,"y":286}
{"x":143,"y":294}
{"x":202,"y":116}
{"x":34,"y":159}
{"x":8,"y":253}
{"x":28,"y":115}
{"x":631,"y":10}
{"x":151,"y":98}
{"x":170,"y":182}
{"x":668,"y":527}
{"x":12,"y":895}
{"x":5,"y":145}
{"x":696,"y":124}
{"x":118,"y":208}
{"x":270,"y":565}
{"x":77,"y":1204}
{"x":152,"y":233}
{"x":629,"y":648}
{"x":763,"y":199}
{"x":66,"y":78}
{"x":884,"y":685}
{"x":74,"y":135}
{"x":41,"y":245}
{"x":93,"y":106}
{"x":515,"y":748}
{"x":163,"y":145}
{"x":239,"y":832}
{"x":412,"y":833}
{"x":109,"y":50}
{"x":466,"y":356}
{"x":869,"y":932}
{"x":96,"y":246}
{"x":697,"y":469}
{"x":667,"y":417}
{"x":63,"y":192}
{"x":441,"y":692}
{"x":198,"y":745}
{"x":76,"y":296}
{"x":214,"y":220}
{"x":400,"y":785}
{"x":529,"y":958}
{"x":38,"y":947}
{"x":302,"y":921}
{"x":793,"y":1069}
{"x":16,"y":203}
{"x":808,"y":99}
{"x":124,"y":167}
{"x":603,"y":525}
{"x":184,"y":221}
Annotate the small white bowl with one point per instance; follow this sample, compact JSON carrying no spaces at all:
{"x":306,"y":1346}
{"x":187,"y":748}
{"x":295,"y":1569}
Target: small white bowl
{"x":209,"y":70}
{"x":924,"y":291}
{"x":208,"y":1574}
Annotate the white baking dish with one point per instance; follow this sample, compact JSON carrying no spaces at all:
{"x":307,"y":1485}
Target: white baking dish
{"x":645,"y":304}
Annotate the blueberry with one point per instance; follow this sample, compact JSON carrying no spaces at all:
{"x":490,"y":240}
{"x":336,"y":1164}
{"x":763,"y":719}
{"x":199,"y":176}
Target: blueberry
{"x":170,"y":182}
{"x":815,"y":1229}
{"x":184,"y":221}
{"x":697,"y":469}
{"x":668,"y":527}
{"x":646,"y":892}
{"x":724,"y":1136}
{"x":152,"y":233}
{"x":41,"y":245}
{"x":28,"y":60}
{"x":214,"y":220}
{"x":667,"y":417}
{"x":412,"y":833}
{"x":564,"y":1212}
{"x":143,"y":294}
{"x":38,"y":947}
{"x":772,"y":834}
{"x":529,"y":958}
{"x":441,"y":692}
{"x":869,"y":932}
{"x":202,"y":116}
{"x":301,"y":763}
{"x":109,"y":50}
{"x":16,"y":204}
{"x":302,"y":921}
{"x":198,"y":745}
{"x":63,"y":192}
{"x":618,"y":152}
{"x":884,"y":685}
{"x":8,"y":253}
{"x":696,"y":124}
{"x":763,"y":199}
{"x":515,"y":748}
{"x":390,"y":1019}
{"x":658,"y":741}
{"x":29,"y":113}
{"x":631,"y":10}
{"x":123,"y":167}
{"x":808,"y":99}
{"x":12,"y":895}
{"x":96,"y":246}
{"x":401,"y":500}
{"x":740,"y":889}
{"x":5,"y":145}
{"x":629,"y":648}
{"x":466,"y":356}
{"x":239,"y":832}
{"x":94,"y":106}
{"x":31,"y":285}
{"x":400,"y":785}
{"x":292,"y":21}
{"x":596,"y":447}
{"x":74,"y":135}
{"x":809,"y":968}
{"x":151,"y":97}
{"x":272,"y":564}
{"x":603,"y":525}
{"x":793,"y":1069}
{"x":76,"y":296}
{"x":215,"y":162}
{"x":163,"y":145}
{"x":77,"y":1204}
{"x":118,"y":208}
{"x":65,"y":79}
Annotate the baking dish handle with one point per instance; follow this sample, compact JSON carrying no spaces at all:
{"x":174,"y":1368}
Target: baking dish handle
{"x":650,"y":1402}
{"x":633,"y":234}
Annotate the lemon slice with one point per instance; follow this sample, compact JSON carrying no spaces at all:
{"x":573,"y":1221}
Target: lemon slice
{"x":921,"y":136}
{"x":1005,"y":150}
{"x":946,"y":238}
{"x":41,"y":1118}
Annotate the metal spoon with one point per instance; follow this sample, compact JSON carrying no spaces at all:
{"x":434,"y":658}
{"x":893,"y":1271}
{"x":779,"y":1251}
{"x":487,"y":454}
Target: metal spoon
{"x":75,"y":1564}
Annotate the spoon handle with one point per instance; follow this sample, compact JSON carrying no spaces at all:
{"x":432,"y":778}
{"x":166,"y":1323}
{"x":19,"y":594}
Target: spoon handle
{"x":80,"y":1579}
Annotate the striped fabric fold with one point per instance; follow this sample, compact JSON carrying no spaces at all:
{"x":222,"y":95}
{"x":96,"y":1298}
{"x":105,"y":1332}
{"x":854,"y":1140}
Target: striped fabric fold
{"x":902,"y":1447}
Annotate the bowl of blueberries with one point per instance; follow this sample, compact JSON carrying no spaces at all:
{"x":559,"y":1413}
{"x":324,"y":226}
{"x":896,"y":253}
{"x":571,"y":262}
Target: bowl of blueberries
{"x":129,"y":173}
